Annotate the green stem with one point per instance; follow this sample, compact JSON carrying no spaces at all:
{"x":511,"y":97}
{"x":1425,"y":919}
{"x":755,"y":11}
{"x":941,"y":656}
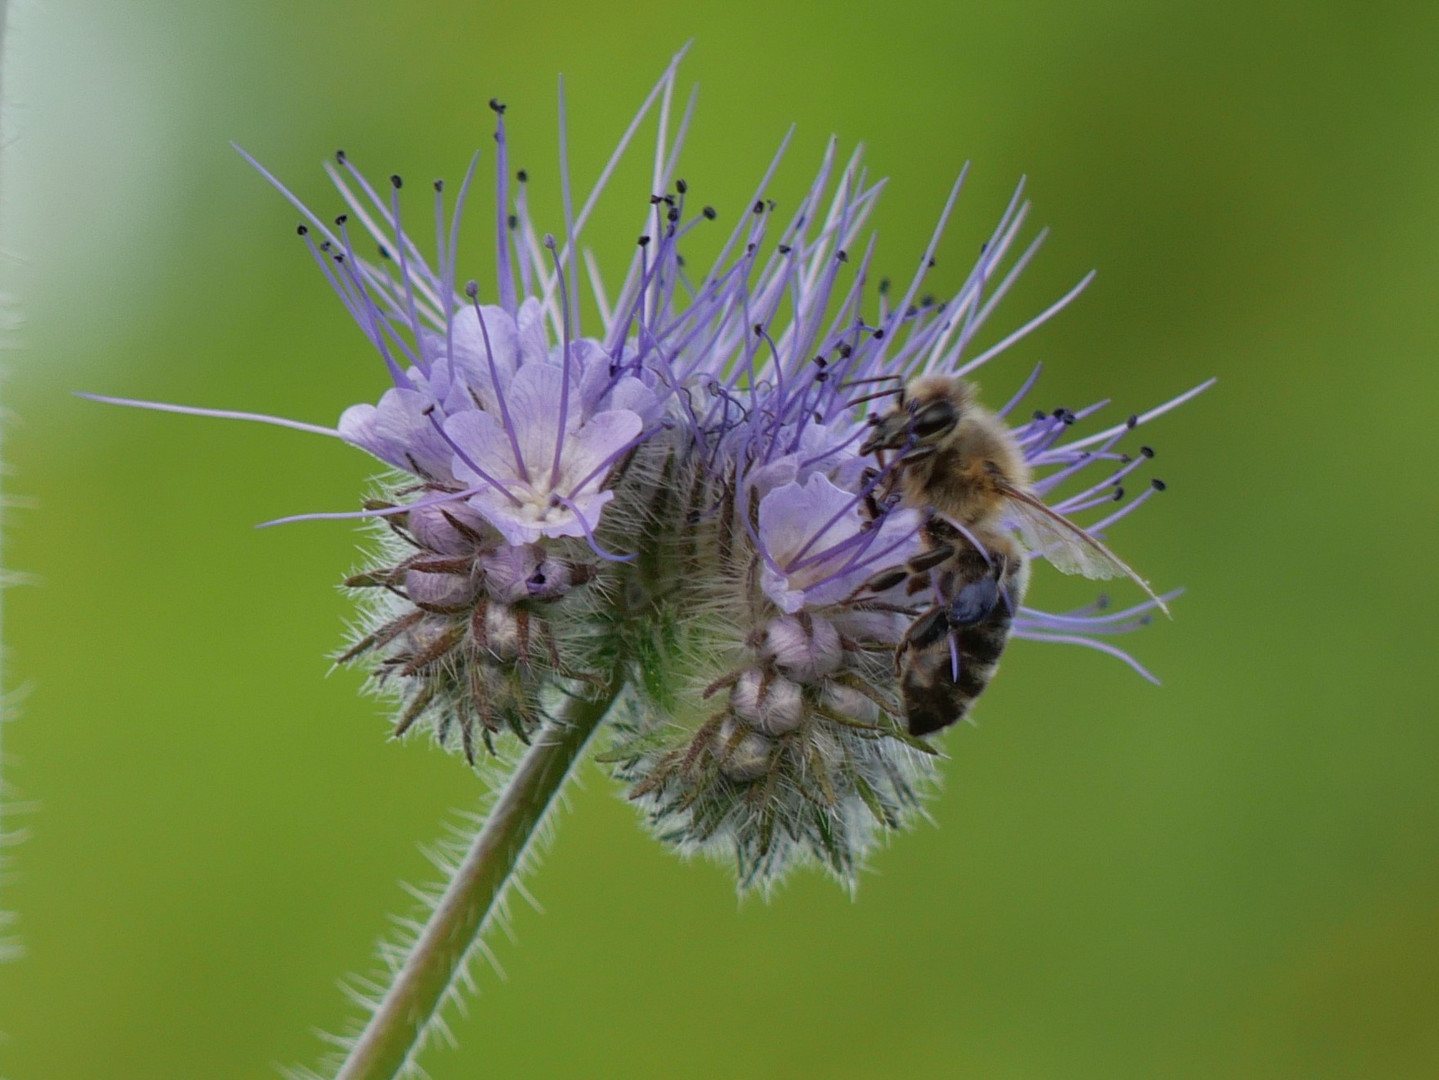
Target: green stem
{"x":397,"y":1027}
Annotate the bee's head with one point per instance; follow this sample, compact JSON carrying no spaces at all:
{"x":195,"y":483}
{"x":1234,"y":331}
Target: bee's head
{"x":924,"y":414}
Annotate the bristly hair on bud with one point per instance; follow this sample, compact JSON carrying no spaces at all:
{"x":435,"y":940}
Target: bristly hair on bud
{"x":669,"y":520}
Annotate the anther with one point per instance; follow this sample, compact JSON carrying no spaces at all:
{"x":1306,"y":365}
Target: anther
{"x":384,"y":251}
{"x":844,"y":350}
{"x":522,"y":176}
{"x":302,"y":230}
{"x":513,"y":221}
{"x":439,"y":185}
{"x":1147,"y":451}
{"x":681,"y":186}
{"x":759,"y":206}
{"x":644,"y":241}
{"x":497,"y":106}
{"x":1158,"y":484}
{"x":879,"y":334}
{"x":549,"y":241}
{"x":785,"y":249}
{"x":673,"y":214}
{"x":472,"y":289}
{"x":341,"y":219}
{"x":396,"y":182}
{"x":340,"y":156}
{"x":1132,"y":422}
{"x":1118,"y":494}
{"x":931,"y":264}
{"x":884,"y":286}
{"x":710,"y":213}
{"x":842,"y":255}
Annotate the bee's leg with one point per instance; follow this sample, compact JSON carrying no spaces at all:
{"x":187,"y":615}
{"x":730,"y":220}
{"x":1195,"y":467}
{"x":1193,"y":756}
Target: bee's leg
{"x":927,"y":629}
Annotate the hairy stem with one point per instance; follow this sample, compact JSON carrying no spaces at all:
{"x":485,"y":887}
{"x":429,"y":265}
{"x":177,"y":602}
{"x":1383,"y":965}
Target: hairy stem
{"x":397,"y":1027}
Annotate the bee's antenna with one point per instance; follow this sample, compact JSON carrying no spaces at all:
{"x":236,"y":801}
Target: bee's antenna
{"x":871,"y":397}
{"x":874,"y":379}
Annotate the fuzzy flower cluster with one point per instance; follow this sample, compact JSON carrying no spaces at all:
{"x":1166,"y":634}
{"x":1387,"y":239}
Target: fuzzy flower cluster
{"x":674,"y":491}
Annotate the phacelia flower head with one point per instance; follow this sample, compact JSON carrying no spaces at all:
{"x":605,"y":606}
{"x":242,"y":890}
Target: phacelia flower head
{"x":682,"y":492}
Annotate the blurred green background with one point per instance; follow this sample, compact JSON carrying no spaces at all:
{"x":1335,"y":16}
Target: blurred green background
{"x":1236,"y":875}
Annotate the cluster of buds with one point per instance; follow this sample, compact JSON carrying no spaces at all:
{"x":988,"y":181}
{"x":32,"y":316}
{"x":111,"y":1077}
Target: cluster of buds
{"x":462,"y":627}
{"x":678,"y":498}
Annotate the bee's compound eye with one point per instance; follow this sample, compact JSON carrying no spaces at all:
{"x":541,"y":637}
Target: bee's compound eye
{"x":934,"y":419}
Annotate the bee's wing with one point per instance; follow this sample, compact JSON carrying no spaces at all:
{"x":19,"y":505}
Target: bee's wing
{"x":1068,"y":547}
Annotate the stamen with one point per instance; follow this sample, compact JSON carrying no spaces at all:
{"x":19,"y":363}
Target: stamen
{"x":472,"y":290}
{"x":590,"y":533}
{"x":564,"y":367}
{"x":431,"y":414}
{"x":505,"y":275}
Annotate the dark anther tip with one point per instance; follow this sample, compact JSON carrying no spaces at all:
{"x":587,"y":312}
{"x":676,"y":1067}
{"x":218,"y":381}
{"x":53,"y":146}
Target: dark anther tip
{"x":1147,"y":451}
{"x":643,"y":241}
{"x":759,"y":330}
{"x":842,"y":255}
{"x":710,"y":213}
{"x":884,"y":286}
{"x":513,"y":221}
{"x":681,"y":186}
{"x":497,"y":106}
{"x":1118,"y":494}
{"x":759,"y":206}
{"x":472,"y":289}
{"x":523,"y":176}
{"x":439,"y":185}
{"x":785,"y":249}
{"x":384,"y":251}
{"x":340,"y":156}
{"x":341,"y":219}
{"x":302,"y":230}
{"x":396,"y":182}
{"x":1040,"y":415}
{"x":1158,"y":484}
{"x":879,"y":334}
{"x":1132,"y":422}
{"x":931,"y":264}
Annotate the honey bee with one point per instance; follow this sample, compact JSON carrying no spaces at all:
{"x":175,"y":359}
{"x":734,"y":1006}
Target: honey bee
{"x":959,"y":464}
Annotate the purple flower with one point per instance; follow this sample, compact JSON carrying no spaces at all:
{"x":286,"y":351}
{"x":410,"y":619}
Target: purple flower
{"x":820,"y":549}
{"x":680,"y":485}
